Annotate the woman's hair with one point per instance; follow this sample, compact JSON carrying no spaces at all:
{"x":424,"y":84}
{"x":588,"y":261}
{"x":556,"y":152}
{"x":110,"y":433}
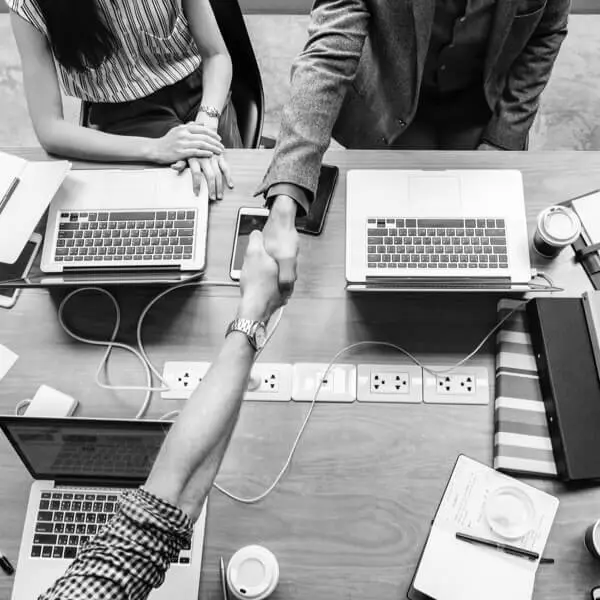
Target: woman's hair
{"x":78,"y":34}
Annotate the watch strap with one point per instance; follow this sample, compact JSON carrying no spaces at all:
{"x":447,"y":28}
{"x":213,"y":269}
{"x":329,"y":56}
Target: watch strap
{"x":246,"y":326}
{"x":211,"y":111}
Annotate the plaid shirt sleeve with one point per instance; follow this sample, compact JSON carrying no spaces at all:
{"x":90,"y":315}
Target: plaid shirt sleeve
{"x":130,"y":555}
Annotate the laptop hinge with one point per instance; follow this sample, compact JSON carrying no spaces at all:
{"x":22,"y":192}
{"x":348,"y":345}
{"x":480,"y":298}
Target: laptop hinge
{"x":99,"y":483}
{"x":120,"y":269}
{"x":446,"y":282}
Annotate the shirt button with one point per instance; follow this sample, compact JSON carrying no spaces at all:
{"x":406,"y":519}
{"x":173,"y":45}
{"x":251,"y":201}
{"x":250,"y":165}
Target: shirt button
{"x":443,"y":68}
{"x":462,"y":19}
{"x":383,"y":139}
{"x":401,"y":123}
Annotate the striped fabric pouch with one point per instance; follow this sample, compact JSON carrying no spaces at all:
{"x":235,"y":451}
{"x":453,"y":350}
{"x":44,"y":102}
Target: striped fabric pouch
{"x":521,"y":440}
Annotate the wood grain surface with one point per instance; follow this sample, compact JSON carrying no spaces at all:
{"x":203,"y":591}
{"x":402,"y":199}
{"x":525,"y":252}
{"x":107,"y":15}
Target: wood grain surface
{"x":351,"y":515}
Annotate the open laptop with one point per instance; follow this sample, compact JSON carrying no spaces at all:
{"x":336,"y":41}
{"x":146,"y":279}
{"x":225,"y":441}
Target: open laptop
{"x":80,"y":467}
{"x":436,"y":231}
{"x":126,"y":226}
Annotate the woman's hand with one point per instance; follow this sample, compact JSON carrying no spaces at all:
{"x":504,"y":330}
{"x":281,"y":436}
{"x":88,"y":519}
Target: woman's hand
{"x":215,"y":170}
{"x":186,"y":141}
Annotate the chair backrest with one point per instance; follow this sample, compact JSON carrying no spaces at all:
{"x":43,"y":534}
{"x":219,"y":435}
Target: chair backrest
{"x":246,"y":86}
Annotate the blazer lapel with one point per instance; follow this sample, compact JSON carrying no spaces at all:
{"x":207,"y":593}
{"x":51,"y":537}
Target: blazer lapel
{"x":423,"y":13}
{"x":503,"y":18}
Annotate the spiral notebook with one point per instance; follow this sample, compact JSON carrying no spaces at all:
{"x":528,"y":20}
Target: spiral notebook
{"x":522,"y":444}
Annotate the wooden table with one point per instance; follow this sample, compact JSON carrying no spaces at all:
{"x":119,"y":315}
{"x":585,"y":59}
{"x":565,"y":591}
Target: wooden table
{"x":352,"y":514}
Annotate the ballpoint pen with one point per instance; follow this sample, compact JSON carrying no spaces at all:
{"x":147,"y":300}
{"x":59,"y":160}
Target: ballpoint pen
{"x":508,"y":549}
{"x":9,"y":192}
{"x":223,"y":579}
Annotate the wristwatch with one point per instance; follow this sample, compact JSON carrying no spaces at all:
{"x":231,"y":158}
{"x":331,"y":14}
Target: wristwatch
{"x":211,"y":111}
{"x":255,"y":331}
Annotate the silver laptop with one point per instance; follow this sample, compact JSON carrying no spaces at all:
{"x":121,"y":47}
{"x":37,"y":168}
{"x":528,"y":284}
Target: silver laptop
{"x":436,"y":231}
{"x":120,"y":221}
{"x":81,"y":467}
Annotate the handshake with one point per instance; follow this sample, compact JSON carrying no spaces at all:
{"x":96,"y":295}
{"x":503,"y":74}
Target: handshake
{"x":259,"y":282}
{"x":269,"y":271}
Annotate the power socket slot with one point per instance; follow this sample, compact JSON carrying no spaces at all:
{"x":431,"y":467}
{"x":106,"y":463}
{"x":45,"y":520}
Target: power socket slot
{"x":465,"y":385}
{"x":390,"y":383}
{"x":268,"y":381}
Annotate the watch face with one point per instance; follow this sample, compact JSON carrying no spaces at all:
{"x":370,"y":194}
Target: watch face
{"x":260,"y":336}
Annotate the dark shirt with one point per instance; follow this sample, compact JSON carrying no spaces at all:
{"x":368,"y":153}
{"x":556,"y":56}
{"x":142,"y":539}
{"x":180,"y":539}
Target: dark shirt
{"x":458,"y":47}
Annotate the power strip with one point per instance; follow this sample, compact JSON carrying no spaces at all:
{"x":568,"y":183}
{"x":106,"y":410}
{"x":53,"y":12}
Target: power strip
{"x":345,"y":383}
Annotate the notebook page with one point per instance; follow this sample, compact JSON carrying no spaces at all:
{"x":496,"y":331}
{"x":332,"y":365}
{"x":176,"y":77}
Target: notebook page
{"x":588,"y":210}
{"x":447,"y":561}
{"x":10,"y":167}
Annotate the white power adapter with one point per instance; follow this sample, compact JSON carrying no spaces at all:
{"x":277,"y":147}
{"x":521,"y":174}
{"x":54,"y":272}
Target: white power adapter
{"x":49,"y":402}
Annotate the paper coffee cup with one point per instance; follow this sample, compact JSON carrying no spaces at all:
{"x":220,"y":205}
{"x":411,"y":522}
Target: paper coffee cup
{"x":557,"y":228}
{"x":252,"y":573}
{"x":592,"y":539}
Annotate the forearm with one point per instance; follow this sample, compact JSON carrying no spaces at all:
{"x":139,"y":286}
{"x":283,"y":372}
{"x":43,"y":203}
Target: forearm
{"x":191,"y":455}
{"x":320,"y":78}
{"x":216,"y":80}
{"x":73,"y":141}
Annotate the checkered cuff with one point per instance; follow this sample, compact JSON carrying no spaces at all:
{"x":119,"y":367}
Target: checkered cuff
{"x":130,"y":555}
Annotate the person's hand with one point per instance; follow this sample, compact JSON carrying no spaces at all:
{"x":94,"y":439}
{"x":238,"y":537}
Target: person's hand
{"x":281,"y":241}
{"x":185,"y":141}
{"x":485,"y":146}
{"x":259,"y":286}
{"x":215,"y":170}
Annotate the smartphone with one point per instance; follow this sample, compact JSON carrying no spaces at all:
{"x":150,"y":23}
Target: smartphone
{"x":315,"y":220}
{"x":248,"y":220}
{"x":18,"y":270}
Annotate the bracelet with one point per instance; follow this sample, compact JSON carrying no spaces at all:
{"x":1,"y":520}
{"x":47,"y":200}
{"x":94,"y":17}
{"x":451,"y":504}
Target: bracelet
{"x":211,"y":111}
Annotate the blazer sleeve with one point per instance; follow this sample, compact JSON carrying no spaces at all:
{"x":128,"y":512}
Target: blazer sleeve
{"x":320,"y":76}
{"x":528,"y":76}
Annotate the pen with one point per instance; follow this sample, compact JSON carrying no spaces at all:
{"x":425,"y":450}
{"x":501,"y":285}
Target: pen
{"x":9,"y":192}
{"x":498,"y":546}
{"x":5,"y":565}
{"x":223,"y":580}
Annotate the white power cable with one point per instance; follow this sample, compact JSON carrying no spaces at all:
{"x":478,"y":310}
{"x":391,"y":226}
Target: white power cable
{"x":142,"y":356}
{"x":332,"y":362}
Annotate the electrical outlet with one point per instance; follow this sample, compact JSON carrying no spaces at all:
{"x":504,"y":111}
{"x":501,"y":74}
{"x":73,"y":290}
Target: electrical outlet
{"x":465,"y":385}
{"x":270,"y":382}
{"x":183,"y":378}
{"x":338,"y":386}
{"x":390,"y":383}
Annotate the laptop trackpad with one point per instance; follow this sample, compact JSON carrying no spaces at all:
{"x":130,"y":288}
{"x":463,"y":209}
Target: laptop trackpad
{"x":435,"y":196}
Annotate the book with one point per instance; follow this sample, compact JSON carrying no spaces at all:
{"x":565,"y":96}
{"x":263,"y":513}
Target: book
{"x":569,"y":383}
{"x":452,"y":569}
{"x":522,"y":443}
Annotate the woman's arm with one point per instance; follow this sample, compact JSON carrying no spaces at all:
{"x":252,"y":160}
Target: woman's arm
{"x":58,"y":136}
{"x":215,"y":57}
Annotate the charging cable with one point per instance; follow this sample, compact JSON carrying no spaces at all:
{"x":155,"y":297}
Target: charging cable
{"x":149,"y":368}
{"x":332,"y":363}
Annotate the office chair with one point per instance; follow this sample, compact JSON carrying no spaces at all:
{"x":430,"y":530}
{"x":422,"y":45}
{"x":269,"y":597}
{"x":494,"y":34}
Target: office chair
{"x":246,"y":86}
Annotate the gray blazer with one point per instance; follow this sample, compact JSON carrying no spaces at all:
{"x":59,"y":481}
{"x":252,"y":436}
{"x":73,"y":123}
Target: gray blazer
{"x":359,"y":75}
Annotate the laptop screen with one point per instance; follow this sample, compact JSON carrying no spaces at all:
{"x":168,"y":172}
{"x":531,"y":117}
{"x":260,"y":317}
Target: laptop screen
{"x":87,"y":449}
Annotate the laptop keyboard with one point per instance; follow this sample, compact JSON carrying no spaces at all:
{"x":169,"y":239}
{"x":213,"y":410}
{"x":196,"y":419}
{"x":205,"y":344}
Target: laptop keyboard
{"x":67,"y":520}
{"x":436,"y":243}
{"x":120,"y":237}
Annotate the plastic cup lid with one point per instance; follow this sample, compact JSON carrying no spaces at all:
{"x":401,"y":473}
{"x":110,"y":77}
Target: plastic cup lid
{"x":510,"y":512}
{"x":560,"y":224}
{"x":253,"y":572}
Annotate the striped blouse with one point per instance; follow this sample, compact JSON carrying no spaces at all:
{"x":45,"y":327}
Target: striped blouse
{"x":155,"y":48}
